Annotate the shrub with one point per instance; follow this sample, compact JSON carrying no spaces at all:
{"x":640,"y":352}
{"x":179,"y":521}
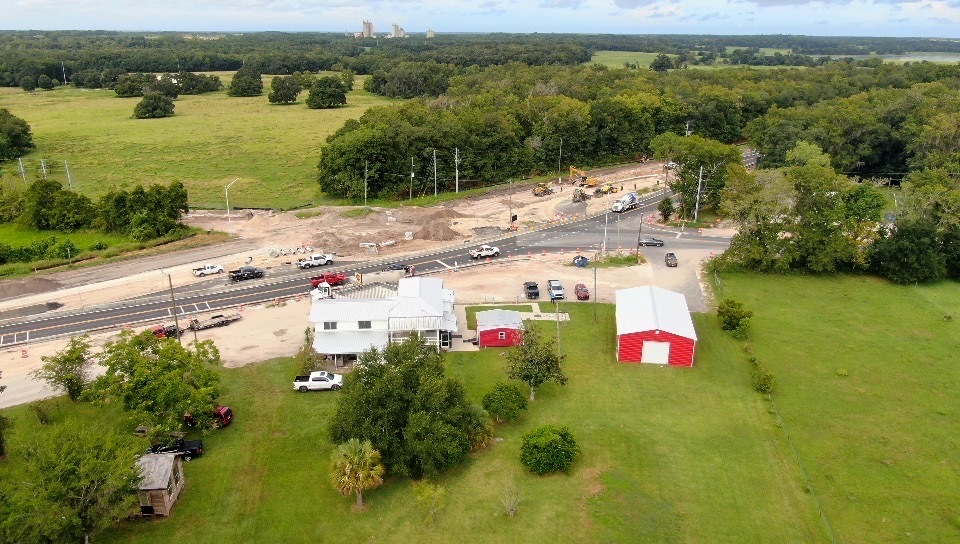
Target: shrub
{"x":762,"y":380}
{"x":505,"y":402}
{"x":430,"y":497}
{"x":99,"y":246}
{"x":43,"y":416}
{"x":731,"y":313}
{"x":511,"y":501}
{"x":740,"y":332}
{"x":548,"y":449}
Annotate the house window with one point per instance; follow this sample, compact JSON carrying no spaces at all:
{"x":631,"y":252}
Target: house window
{"x":502,"y":335}
{"x":363,"y":324}
{"x":329,"y":325}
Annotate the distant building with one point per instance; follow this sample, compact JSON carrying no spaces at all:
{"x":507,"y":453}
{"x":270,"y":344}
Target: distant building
{"x":397,"y":32}
{"x":430,"y":34}
{"x":368,"y":30}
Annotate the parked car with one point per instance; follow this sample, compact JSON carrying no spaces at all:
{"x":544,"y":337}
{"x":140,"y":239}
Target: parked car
{"x":187,"y":449}
{"x":397,"y":266}
{"x":320,"y":380}
{"x":223,"y":415}
{"x":246,"y":273}
{"x":317,"y":259}
{"x":208,"y":269}
{"x":651,"y":242}
{"x":581,"y":291}
{"x":485,"y":251}
{"x":531,"y":289}
{"x":556,"y":290}
{"x":167,"y":331}
{"x":670,"y":259}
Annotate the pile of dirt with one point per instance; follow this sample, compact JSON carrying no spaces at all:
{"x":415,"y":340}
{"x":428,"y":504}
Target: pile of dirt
{"x":26,"y":286}
{"x":436,"y":231}
{"x":329,"y":242}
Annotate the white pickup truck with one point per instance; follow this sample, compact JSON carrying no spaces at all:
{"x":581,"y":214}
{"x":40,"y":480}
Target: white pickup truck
{"x":317,"y":259}
{"x":318,"y":381}
{"x":485,"y":251}
{"x":208,"y":269}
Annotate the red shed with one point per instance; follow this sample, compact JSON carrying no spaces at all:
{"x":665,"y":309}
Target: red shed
{"x":654,"y":326}
{"x":498,"y":328}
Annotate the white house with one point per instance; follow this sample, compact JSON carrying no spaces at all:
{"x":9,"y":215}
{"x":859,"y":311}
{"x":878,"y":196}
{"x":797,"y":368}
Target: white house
{"x":376,"y":315}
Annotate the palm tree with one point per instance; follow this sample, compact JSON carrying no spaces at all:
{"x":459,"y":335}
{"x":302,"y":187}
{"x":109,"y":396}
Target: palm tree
{"x":356,"y":467}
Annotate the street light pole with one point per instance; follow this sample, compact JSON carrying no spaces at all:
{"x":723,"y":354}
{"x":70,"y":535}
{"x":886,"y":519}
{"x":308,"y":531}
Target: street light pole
{"x":559,"y":171}
{"x":226,"y":191}
{"x":173,"y":303}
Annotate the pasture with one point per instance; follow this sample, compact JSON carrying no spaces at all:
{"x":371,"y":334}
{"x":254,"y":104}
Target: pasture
{"x":211,"y":140}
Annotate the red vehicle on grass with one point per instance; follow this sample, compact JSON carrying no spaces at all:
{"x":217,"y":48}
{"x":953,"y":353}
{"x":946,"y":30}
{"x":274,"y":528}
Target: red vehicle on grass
{"x":222,"y":415}
{"x":581,"y":291}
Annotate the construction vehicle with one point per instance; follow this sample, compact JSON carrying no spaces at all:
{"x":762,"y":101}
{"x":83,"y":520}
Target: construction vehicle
{"x":542,"y":189}
{"x":579,"y":177}
{"x":606,"y":190}
{"x":579,"y":195}
{"x":216,"y":321}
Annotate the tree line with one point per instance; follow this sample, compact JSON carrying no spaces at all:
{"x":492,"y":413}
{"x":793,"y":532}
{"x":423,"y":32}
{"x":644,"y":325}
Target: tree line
{"x":94,"y":59}
{"x":140,"y":213}
{"x":508,"y":121}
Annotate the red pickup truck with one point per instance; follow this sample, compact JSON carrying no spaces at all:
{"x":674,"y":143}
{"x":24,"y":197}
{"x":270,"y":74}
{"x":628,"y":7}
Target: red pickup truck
{"x":332,"y":278}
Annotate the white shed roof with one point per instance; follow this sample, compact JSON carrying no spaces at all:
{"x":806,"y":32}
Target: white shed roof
{"x":156,"y":469}
{"x":651,"y":308}
{"x":495,"y":319}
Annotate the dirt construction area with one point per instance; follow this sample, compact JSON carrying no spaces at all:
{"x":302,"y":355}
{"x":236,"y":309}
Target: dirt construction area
{"x":270,"y":331}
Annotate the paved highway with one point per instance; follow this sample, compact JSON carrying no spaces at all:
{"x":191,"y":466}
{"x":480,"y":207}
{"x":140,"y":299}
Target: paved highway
{"x":587,"y":235}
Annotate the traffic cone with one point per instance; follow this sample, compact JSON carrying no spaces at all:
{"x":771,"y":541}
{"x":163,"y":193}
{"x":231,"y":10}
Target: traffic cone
{"x":240,"y":308}
{"x":23,"y":353}
{"x":578,"y":251}
{"x":488,"y":259}
{"x":561,"y":251}
{"x":544,"y":253}
{"x":700,"y":231}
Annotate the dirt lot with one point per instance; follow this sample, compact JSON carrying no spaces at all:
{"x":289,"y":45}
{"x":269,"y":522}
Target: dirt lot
{"x":275,"y":331}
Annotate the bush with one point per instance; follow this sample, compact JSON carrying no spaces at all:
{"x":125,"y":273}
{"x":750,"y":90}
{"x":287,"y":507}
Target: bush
{"x":505,"y":402}
{"x":99,"y":246}
{"x":731,"y":313}
{"x":548,"y":449}
{"x":762,"y":380}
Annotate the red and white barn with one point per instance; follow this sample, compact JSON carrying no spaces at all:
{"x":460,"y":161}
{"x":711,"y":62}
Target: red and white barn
{"x":654,"y":326}
{"x":498,"y":328}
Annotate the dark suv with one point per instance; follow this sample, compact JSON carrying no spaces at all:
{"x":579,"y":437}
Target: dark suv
{"x":531,"y":290}
{"x":670,"y":259}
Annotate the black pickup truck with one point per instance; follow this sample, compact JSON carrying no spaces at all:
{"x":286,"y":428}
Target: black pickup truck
{"x":246,"y":273}
{"x":188,"y":449}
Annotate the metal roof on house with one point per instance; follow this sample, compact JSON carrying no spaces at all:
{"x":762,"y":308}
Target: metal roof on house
{"x":418,"y":304}
{"x":368,"y":290}
{"x":495,"y":319}
{"x":348,"y":342}
{"x":348,"y":309}
{"x":650,"y":308}
{"x":156,"y":469}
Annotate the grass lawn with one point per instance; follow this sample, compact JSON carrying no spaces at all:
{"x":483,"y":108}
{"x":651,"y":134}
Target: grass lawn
{"x":669,"y":455}
{"x":472,"y":311}
{"x":880,"y":445}
{"x":615,"y":59}
{"x":210,"y":141}
{"x":15,"y":236}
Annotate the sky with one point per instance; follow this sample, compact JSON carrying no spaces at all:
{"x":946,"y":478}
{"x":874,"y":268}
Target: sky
{"x":924,"y":18}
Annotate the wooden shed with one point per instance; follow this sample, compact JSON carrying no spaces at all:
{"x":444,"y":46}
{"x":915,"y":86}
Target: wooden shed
{"x":499,"y":328}
{"x":654,"y":326}
{"x":162,"y":482}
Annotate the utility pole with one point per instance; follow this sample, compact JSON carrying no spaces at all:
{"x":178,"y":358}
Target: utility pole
{"x":559,"y":352}
{"x":606,"y":219}
{"x":43,"y":168}
{"x":559,"y":171}
{"x":639,"y":235}
{"x":365,"y":164}
{"x":689,"y":132}
{"x":23,"y":172}
{"x":69,"y":179}
{"x":434,"y":172}
{"x":456,"y":165}
{"x":411,"y":180}
{"x":173,"y":303}
{"x":696,"y":209}
{"x":64,"y":68}
{"x":226,"y":191}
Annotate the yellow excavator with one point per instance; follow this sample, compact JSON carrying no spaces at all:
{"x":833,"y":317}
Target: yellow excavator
{"x":579,"y":177}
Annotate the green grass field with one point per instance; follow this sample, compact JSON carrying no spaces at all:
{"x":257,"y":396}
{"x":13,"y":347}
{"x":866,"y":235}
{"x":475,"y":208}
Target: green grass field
{"x":15,"y":236}
{"x":669,"y":454}
{"x":615,"y":59}
{"x":210,"y":141}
